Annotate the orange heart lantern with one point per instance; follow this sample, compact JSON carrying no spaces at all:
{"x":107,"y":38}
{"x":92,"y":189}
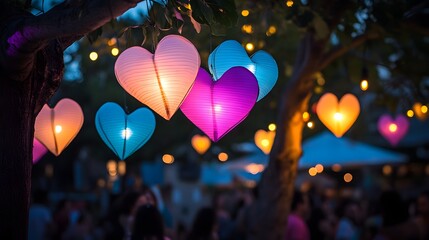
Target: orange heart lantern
{"x":57,"y":127}
{"x":338,"y":116}
{"x":264,"y":140}
{"x":200,"y":143}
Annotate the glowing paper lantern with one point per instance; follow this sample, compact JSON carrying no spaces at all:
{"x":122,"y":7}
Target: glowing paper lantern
{"x":231,"y":54}
{"x":57,"y":127}
{"x":38,"y":151}
{"x":124,"y":134}
{"x":161,"y":80}
{"x":264,"y":140}
{"x":393,"y":129}
{"x":421,"y":111}
{"x":200,"y":143}
{"x":338,"y":117}
{"x":216,"y":107}
{"x":139,"y":13}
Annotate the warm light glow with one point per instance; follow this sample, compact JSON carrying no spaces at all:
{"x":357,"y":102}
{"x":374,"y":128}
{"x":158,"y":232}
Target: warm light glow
{"x":122,"y":168}
{"x":254,"y":168}
{"x":312,"y":171}
{"x":336,"y":167}
{"x":250,"y":47}
{"x":319,"y":168}
{"x":217,"y":108}
{"x":161,"y":80}
{"x":115,"y":51}
{"x":364,"y":85}
{"x":410,"y":113}
{"x":49,"y":170}
{"x":289,"y":3}
{"x":310,"y":125}
{"x":200,"y":143}
{"x":111,"y":42}
{"x":402,"y":171}
{"x":168,"y":159}
{"x":320,"y":79}
{"x":126,"y":133}
{"x":318,"y":89}
{"x":421,"y":111}
{"x":111,"y":168}
{"x":264,"y":140}
{"x":58,"y":129}
{"x":245,"y":13}
{"x":271,"y":30}
{"x":338,"y":116}
{"x":348,"y":177}
{"x":427,"y":169}
{"x":393,"y":127}
{"x":424,"y":108}
{"x":387,"y":170}
{"x":305,"y":116}
{"x":222,"y":156}
{"x":93,"y":56}
{"x":247,"y":28}
{"x":272,"y":127}
{"x":101,"y":183}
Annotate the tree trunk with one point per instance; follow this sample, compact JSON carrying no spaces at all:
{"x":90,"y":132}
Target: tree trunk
{"x":31,"y":63}
{"x":271,"y":208}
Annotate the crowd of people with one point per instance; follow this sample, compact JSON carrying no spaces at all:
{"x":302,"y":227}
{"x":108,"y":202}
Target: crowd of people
{"x":136,"y":215}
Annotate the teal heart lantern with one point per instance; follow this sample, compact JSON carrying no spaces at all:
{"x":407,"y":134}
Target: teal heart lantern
{"x":124,"y":134}
{"x":231,"y":54}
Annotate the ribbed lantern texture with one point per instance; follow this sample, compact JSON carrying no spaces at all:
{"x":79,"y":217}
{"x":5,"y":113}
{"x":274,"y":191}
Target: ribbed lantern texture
{"x":161,"y":80}
{"x":216,"y":107}
{"x":200,"y":143}
{"x":231,"y":54}
{"x":57,"y":127}
{"x":38,"y":150}
{"x":393,"y":130}
{"x":124,"y":134}
{"x":338,"y":116}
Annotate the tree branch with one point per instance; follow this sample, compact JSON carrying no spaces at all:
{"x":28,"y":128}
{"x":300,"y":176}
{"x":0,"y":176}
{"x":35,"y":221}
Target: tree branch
{"x":337,"y":52}
{"x":26,"y":35}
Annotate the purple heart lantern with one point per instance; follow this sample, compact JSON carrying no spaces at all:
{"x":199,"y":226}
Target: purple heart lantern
{"x":216,"y":107}
{"x":38,"y":151}
{"x":393,"y":129}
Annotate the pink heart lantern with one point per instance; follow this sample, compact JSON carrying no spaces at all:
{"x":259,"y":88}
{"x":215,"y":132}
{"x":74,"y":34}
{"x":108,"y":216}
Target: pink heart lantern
{"x":216,"y":107}
{"x":160,"y":80}
{"x":38,"y":151}
{"x":393,"y":130}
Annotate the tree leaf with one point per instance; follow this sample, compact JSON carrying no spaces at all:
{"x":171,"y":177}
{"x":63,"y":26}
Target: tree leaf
{"x":93,"y":36}
{"x":215,"y":13}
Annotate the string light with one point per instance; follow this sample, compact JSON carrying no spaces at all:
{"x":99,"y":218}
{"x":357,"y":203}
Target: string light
{"x":111,"y":42}
{"x":364,"y":85}
{"x":387,"y":170}
{"x":305,"y":116}
{"x":272,"y":127}
{"x":319,"y":168}
{"x":410,"y":113}
{"x":222,"y":156}
{"x":271,"y":31}
{"x":424,"y":109}
{"x":336,"y":167}
{"x":312,"y":171}
{"x":93,"y":56}
{"x":250,"y":47}
{"x":310,"y":125}
{"x":245,"y":13}
{"x":348,"y":177}
{"x":115,"y":51}
{"x":168,"y":159}
{"x":289,"y":3}
{"x":247,"y":28}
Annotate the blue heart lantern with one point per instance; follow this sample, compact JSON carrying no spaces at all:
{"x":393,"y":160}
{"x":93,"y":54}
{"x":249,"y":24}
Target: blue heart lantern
{"x":124,"y":134}
{"x":231,"y":54}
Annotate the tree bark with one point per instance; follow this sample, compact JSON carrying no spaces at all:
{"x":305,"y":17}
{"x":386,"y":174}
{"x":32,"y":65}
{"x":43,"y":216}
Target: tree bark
{"x":31,"y":63}
{"x":269,"y":213}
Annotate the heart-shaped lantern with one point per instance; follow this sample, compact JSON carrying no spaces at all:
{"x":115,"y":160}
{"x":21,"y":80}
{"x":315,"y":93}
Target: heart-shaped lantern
{"x":57,"y":127}
{"x":124,"y":134}
{"x":216,"y":107}
{"x":231,"y":54}
{"x":200,"y":143}
{"x":393,"y":129}
{"x":160,"y":80}
{"x":264,"y":140}
{"x":338,"y":116}
{"x":421,"y":111}
{"x":38,"y":150}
